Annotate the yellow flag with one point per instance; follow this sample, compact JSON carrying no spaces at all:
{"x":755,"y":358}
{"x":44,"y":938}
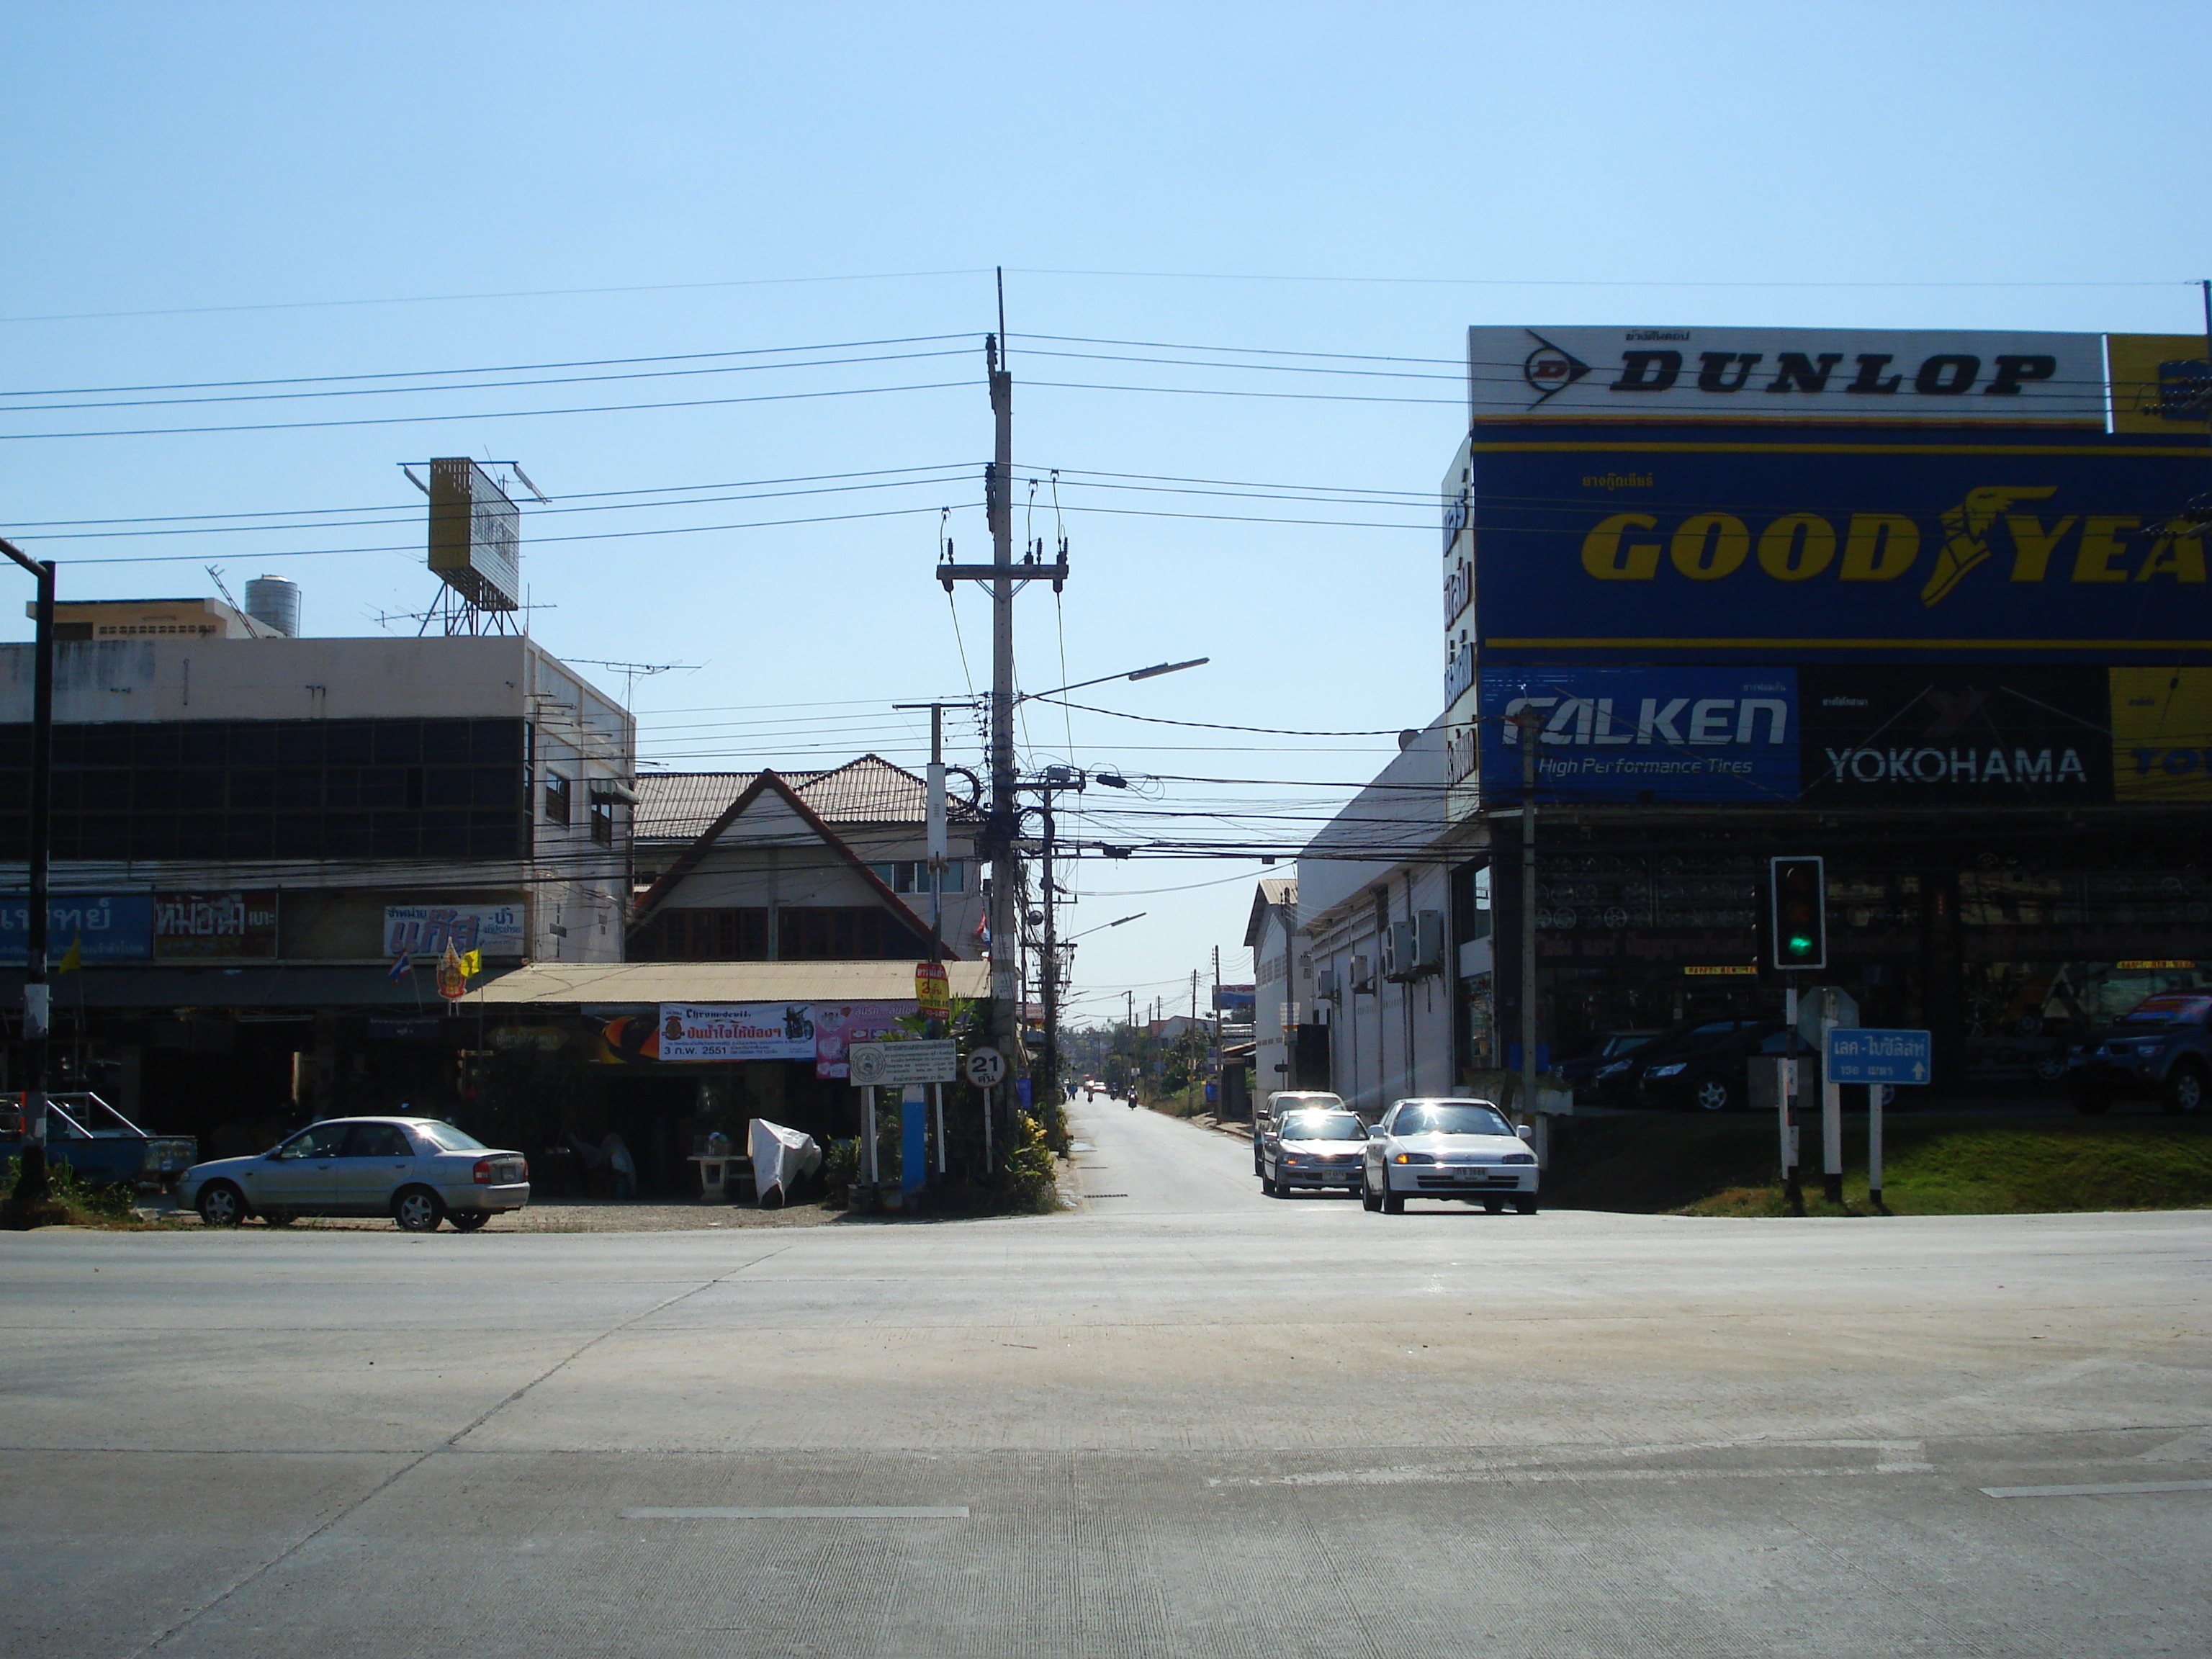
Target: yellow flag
{"x":73,"y":958}
{"x":472,"y":964}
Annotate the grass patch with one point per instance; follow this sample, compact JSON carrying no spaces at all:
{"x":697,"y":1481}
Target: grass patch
{"x":1658,"y":1163}
{"x":73,"y":1202}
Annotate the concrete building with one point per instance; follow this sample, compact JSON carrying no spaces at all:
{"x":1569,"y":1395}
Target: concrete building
{"x":251,"y":830}
{"x":1272,"y":936}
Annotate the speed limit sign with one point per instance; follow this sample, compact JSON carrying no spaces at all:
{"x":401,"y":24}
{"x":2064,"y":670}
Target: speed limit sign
{"x":986,"y":1067}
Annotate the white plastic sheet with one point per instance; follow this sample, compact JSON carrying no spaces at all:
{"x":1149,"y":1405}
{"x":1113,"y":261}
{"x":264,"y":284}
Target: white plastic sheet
{"x":781,"y":1155}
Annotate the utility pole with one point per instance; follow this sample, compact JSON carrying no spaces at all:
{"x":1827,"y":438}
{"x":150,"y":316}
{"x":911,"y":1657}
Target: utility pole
{"x":1002,"y":828}
{"x":1532,"y":728}
{"x":1050,"y":977}
{"x":31,"y":1183}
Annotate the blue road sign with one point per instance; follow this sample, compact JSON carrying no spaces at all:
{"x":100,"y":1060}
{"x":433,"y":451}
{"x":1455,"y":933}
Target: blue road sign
{"x":1870,"y":1054}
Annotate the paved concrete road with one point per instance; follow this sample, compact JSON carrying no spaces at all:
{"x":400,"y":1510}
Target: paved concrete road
{"x":1191,"y":1422}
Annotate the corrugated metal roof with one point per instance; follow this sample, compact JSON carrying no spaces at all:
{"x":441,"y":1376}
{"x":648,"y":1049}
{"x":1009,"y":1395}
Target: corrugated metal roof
{"x":556,"y":984}
{"x":683,"y":805}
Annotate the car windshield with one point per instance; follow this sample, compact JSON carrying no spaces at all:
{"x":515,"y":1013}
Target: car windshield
{"x":446,"y":1139}
{"x":1450,"y":1117}
{"x":2169,"y":1008}
{"x":1626,"y":1043}
{"x":318,"y":1140}
{"x":1322,"y":1125}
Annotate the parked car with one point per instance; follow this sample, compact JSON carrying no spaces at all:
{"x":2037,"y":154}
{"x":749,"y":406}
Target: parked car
{"x":1715,"y":1076}
{"x":1462,"y":1150}
{"x":97,"y":1141}
{"x":1312,"y":1147}
{"x":1616,"y":1083}
{"x":1285,"y":1100}
{"x":2160,"y":1049}
{"x":1580,"y":1072}
{"x":417,"y":1170}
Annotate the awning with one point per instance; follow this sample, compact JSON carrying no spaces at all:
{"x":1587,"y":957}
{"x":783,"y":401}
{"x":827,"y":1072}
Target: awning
{"x":274,"y":986}
{"x":555,"y":985}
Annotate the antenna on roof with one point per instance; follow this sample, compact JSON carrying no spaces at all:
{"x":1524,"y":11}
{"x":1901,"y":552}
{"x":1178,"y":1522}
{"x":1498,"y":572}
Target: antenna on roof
{"x":631,"y":671}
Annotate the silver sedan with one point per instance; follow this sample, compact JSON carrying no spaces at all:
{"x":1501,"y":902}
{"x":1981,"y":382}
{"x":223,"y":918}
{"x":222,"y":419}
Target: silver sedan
{"x":1310,"y":1149}
{"x":417,"y":1170}
{"x":1462,"y":1150}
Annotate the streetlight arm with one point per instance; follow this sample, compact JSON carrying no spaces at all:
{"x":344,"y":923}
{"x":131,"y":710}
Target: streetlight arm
{"x":1153,"y":672}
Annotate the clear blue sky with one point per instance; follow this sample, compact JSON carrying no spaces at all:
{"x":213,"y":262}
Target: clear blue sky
{"x":212,"y":192}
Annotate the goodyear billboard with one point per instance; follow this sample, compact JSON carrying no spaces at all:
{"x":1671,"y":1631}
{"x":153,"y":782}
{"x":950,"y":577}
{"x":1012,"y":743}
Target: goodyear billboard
{"x":1847,"y":735}
{"x":1677,"y":545}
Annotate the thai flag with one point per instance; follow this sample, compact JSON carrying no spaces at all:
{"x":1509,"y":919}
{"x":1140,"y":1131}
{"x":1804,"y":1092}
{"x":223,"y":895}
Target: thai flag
{"x":400,"y":965}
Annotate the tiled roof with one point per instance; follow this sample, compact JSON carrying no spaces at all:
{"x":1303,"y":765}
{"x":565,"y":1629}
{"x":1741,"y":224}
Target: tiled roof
{"x":683,"y":805}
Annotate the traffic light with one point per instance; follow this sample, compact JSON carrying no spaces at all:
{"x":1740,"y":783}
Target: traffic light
{"x":1800,"y":896}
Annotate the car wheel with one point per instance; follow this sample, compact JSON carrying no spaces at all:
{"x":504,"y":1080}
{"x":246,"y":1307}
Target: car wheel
{"x":1393,"y":1203}
{"x":417,"y":1209}
{"x":1493,"y":1206}
{"x":1368,"y":1201}
{"x":1525,"y":1205}
{"x":467,"y":1221}
{"x":2092,"y":1103}
{"x":2184,"y":1090}
{"x":278,"y":1218}
{"x":221,"y":1205}
{"x":1714,"y":1093}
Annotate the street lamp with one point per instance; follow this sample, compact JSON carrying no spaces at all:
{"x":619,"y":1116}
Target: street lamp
{"x":1152,"y":673}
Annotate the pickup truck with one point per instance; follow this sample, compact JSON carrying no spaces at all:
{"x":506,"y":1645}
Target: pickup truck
{"x":101,"y":1145}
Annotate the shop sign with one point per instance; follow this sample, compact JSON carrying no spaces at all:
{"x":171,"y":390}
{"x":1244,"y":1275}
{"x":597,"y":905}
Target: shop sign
{"x":838,"y":1025}
{"x":1762,"y":552}
{"x":1955,"y":736}
{"x":383,"y":1028}
{"x":1764,"y":375}
{"x":224,"y":924}
{"x":2161,"y":735}
{"x":1659,"y":734}
{"x":104,"y":926}
{"x":425,"y":930}
{"x":932,"y":990}
{"x":728,"y":1031}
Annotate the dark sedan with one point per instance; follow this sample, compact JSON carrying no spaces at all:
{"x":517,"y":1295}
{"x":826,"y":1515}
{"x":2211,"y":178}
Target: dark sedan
{"x":1715,"y":1076}
{"x":1619,"y":1082}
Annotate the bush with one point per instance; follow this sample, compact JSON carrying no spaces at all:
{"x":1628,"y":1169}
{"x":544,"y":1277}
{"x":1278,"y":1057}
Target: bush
{"x":1029,"y":1165}
{"x":75,"y":1201}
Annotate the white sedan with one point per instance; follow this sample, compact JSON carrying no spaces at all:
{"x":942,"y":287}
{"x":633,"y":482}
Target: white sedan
{"x":1462,"y":1150}
{"x":417,"y":1170}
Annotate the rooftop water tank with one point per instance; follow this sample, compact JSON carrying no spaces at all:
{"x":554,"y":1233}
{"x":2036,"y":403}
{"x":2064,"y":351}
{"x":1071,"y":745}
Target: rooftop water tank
{"x":274,"y":602}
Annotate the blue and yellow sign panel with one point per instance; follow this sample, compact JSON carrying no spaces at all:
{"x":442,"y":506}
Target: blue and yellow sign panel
{"x":1675,"y":544}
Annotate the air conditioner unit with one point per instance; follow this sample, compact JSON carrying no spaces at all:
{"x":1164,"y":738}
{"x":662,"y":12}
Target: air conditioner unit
{"x":1428,"y":941}
{"x":1362,"y":977}
{"x":1398,"y":951}
{"x":1325,"y":984}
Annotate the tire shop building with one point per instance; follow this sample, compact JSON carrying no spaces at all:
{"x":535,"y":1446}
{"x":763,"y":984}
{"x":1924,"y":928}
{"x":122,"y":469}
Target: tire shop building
{"x":1931,"y":606}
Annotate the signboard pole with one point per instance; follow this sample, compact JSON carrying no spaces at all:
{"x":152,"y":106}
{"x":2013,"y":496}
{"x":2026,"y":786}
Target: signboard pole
{"x":1875,"y":1092}
{"x":31,"y":1186}
{"x":1832,"y":1122}
{"x":1532,"y":728}
{"x":937,"y":1091}
{"x":868,"y":1141}
{"x":1792,"y":1192}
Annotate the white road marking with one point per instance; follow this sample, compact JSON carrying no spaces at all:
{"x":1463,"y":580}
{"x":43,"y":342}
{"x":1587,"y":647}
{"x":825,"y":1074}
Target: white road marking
{"x":809,"y":1512}
{"x":2109,"y":1489}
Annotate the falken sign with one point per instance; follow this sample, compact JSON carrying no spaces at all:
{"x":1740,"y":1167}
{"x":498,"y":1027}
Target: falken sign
{"x":1843,"y":735}
{"x":1737,"y":374}
{"x":1626,"y":734}
{"x":1838,"y":550}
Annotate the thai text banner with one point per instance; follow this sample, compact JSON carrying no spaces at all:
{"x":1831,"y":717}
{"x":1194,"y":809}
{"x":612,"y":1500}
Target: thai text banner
{"x":1630,"y":734}
{"x":1930,"y":553}
{"x":744,"y":1031}
{"x":1870,"y":376}
{"x":426,"y":929}
{"x":104,"y":926}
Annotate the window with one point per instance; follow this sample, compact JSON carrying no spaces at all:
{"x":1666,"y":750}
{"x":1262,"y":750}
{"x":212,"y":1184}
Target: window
{"x":912,"y":875}
{"x":840,"y":933}
{"x":602,"y":819}
{"x":377,"y":1140}
{"x":721,"y":935}
{"x":556,"y":799}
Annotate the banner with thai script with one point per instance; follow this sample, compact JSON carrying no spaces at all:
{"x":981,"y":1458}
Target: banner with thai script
{"x":228,"y":924}
{"x":105,"y":926}
{"x":425,"y":930}
{"x":755,"y":1030}
{"x":838,"y":1025}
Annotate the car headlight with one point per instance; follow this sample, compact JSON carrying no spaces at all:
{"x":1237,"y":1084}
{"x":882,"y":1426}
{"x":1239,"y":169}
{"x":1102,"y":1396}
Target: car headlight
{"x":1412,"y":1157}
{"x":1290,"y":1157}
{"x":1518,"y":1157}
{"x":1676,"y":1070}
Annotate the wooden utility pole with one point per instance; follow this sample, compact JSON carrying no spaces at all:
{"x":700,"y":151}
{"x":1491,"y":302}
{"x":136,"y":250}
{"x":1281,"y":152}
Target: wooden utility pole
{"x":30,"y":1181}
